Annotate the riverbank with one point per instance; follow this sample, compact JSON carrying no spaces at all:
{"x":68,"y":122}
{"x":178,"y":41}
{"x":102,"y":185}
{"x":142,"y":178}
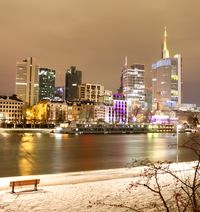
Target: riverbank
{"x":25,"y":130}
{"x":102,"y":190}
{"x":98,"y":129}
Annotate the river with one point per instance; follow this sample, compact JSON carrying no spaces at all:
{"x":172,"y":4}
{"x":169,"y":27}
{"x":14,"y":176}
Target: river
{"x":43,"y":153}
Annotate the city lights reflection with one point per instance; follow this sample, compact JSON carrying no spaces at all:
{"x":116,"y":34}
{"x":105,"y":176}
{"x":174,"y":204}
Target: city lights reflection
{"x":32,"y":154}
{"x":5,"y":134}
{"x":26,"y":154}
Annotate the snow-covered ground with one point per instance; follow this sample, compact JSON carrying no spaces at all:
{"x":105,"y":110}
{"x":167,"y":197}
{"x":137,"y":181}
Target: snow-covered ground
{"x":103,"y":190}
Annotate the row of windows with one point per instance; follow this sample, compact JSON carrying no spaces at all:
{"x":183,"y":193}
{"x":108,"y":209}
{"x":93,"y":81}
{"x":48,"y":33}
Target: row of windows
{"x":13,"y":103}
{"x":14,"y":115}
{"x":10,"y":111}
{"x":16,"y":107}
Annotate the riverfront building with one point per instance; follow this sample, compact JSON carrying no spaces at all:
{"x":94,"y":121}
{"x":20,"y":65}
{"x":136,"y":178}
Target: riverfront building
{"x":90,"y":92}
{"x":117,"y":113}
{"x":107,"y":98}
{"x":47,"y":112}
{"x":167,"y":80}
{"x":11,"y":109}
{"x":73,"y":78}
{"x":46,"y":83}
{"x":81,"y":111}
{"x":27,"y":81}
{"x":100,"y":112}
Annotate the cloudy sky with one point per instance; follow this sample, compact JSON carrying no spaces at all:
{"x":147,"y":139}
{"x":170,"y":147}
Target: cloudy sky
{"x":96,"y":35}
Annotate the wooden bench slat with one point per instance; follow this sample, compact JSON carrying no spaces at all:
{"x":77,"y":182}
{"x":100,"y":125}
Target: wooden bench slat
{"x":24,"y":183}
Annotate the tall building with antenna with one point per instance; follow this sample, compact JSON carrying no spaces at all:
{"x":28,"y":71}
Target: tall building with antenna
{"x":120,"y":90}
{"x":133,"y":86}
{"x":166,"y":80}
{"x":165,"y":51}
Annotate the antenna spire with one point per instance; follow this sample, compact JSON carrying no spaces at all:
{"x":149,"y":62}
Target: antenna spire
{"x":126,"y":62}
{"x":165,"y":51}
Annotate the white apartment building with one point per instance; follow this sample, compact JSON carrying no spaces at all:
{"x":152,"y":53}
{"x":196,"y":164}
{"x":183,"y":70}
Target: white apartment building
{"x":100,"y":112}
{"x":90,"y":92}
{"x":11,"y":109}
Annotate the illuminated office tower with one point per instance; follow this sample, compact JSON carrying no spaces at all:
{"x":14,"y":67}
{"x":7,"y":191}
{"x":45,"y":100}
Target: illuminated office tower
{"x":133,"y":85}
{"x":46,"y":83}
{"x":73,"y":78}
{"x":166,"y":80}
{"x":27,"y":81}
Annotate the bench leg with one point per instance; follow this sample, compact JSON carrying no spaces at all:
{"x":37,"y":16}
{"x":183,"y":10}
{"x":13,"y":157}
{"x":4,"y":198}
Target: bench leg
{"x":13,"y":187}
{"x":35,"y":187}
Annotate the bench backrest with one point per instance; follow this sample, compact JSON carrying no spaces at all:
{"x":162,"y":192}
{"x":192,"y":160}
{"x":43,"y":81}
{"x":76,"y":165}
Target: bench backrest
{"x":25,"y":182}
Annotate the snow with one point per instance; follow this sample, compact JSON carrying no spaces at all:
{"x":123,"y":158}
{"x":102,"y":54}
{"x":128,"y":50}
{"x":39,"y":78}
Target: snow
{"x":102,"y":190}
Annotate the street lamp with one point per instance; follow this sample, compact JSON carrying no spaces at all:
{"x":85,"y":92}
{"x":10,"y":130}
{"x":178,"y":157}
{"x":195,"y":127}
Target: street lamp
{"x":178,"y":127}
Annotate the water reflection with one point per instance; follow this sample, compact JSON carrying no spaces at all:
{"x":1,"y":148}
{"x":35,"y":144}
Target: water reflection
{"x":29,"y":154}
{"x":5,"y":134}
{"x":26,"y":154}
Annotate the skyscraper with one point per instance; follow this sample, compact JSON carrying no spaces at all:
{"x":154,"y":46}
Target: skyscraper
{"x":166,"y":80}
{"x":46,"y":83}
{"x":133,"y":85}
{"x":27,"y":81}
{"x":120,"y":90}
{"x":73,"y":78}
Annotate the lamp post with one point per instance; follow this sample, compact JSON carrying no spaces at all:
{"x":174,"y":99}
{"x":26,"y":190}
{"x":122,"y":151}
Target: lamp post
{"x":176,"y":143}
{"x":177,"y":130}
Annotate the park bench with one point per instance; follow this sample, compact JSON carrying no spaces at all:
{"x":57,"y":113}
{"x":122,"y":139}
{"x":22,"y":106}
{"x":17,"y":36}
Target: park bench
{"x":24,"y":183}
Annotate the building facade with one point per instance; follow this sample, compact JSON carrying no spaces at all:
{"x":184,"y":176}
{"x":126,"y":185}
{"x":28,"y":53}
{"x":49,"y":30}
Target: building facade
{"x":107,"y":98}
{"x":47,"y":112}
{"x":133,"y":84}
{"x":73,"y":78}
{"x":27,"y":81}
{"x":99,"y":113}
{"x":11,"y":109}
{"x":81,"y":111}
{"x":167,"y":80}
{"x":90,"y":92}
{"x":46,"y":83}
{"x":59,"y":93}
{"x":118,"y":112}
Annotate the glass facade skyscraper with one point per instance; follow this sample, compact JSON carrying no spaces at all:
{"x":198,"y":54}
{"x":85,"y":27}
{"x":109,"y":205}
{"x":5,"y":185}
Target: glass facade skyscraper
{"x":46,"y":83}
{"x":132,"y":86}
{"x":73,"y":78}
{"x":166,"y":80}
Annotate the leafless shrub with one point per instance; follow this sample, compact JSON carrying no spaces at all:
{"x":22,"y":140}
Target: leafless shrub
{"x":181,"y":189}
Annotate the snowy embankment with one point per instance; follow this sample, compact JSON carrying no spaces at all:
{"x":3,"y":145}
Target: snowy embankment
{"x":102,"y":190}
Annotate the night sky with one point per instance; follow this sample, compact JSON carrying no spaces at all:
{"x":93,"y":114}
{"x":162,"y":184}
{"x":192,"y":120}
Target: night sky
{"x":96,"y":35}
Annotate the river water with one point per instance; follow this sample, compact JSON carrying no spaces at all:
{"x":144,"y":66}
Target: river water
{"x":43,"y":153}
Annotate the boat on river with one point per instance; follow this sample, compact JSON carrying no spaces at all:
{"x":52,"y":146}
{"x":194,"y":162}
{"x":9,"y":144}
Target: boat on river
{"x":75,"y":128}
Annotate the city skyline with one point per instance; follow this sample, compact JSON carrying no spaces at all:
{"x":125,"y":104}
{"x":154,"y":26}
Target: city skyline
{"x":88,"y":35}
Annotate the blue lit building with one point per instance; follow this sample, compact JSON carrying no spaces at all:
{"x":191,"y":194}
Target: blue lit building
{"x":167,"y":80}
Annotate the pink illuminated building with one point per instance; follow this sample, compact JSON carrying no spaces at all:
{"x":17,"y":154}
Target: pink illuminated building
{"x":117,"y":113}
